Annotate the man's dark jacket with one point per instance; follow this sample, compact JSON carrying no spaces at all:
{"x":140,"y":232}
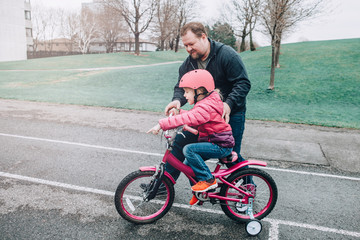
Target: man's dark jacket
{"x":228,"y":71}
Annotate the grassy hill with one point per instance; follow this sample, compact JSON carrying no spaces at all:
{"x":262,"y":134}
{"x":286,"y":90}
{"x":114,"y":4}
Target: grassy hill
{"x":318,"y":82}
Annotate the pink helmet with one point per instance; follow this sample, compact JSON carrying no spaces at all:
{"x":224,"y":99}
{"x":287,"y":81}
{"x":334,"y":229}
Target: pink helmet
{"x":196,"y":79}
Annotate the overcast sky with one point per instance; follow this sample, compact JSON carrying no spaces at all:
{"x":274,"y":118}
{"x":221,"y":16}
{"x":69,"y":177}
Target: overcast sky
{"x":343,"y":22}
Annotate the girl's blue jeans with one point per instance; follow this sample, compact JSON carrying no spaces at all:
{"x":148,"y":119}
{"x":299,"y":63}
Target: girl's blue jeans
{"x":197,"y":153}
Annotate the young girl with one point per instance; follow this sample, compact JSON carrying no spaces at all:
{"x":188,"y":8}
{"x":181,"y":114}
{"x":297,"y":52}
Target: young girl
{"x":215,"y":136}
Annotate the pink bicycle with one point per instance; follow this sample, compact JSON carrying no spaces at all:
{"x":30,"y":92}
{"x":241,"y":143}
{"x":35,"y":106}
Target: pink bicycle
{"x":245,"y":195}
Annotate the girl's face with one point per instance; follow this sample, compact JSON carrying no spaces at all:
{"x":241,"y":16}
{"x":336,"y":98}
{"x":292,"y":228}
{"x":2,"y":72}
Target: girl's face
{"x":189,"y":94}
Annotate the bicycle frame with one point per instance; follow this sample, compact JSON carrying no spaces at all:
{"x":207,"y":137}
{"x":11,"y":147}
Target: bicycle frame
{"x":218,"y":173}
{"x":245,"y":195}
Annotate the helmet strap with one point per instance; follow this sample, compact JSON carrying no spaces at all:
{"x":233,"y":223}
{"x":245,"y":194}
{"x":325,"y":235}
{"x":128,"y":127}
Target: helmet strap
{"x":197,"y":95}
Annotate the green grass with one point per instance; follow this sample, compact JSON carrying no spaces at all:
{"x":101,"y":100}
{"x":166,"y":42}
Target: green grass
{"x":93,"y":61}
{"x":318,"y":82}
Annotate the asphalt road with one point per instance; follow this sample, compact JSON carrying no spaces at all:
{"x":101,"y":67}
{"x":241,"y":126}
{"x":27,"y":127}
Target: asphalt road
{"x":57,"y":180}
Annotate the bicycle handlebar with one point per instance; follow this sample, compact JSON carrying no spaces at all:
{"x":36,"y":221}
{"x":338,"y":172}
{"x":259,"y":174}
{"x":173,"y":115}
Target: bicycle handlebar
{"x":190,"y":129}
{"x":184,"y":127}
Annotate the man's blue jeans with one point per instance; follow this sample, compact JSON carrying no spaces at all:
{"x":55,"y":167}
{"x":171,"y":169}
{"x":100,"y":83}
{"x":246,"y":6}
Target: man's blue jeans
{"x":197,"y":153}
{"x":237,"y":123}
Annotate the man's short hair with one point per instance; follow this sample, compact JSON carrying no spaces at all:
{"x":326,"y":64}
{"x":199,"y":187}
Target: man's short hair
{"x":196,"y":27}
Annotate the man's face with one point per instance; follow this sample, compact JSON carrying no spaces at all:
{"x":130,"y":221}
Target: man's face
{"x":195,"y":46}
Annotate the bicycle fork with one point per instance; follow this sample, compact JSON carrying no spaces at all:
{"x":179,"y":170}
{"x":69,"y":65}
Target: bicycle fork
{"x":155,"y":183}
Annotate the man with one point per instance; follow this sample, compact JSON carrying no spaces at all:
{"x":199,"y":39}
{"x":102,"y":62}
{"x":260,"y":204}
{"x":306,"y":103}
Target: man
{"x":228,"y":71}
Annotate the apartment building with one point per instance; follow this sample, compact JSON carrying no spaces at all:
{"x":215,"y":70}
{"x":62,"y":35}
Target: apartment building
{"x":15,"y":29}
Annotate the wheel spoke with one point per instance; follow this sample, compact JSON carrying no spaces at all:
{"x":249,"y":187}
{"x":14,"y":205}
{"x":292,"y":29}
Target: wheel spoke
{"x":130,"y":203}
{"x":258,"y":185}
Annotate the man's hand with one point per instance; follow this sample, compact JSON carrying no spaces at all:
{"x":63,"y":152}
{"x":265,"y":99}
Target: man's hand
{"x":226,"y":112}
{"x":155,"y":130}
{"x":172,"y":107}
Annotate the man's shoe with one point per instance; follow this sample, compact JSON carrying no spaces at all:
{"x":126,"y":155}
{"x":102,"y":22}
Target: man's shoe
{"x":204,"y":186}
{"x":194,"y":200}
{"x":161,"y":189}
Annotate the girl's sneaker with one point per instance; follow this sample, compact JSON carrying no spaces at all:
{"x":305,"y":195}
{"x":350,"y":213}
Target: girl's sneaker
{"x":204,"y":186}
{"x":194,"y":200}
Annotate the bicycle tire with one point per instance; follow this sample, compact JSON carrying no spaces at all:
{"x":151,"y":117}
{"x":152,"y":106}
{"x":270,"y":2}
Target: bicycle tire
{"x":259,"y":183}
{"x":129,"y":200}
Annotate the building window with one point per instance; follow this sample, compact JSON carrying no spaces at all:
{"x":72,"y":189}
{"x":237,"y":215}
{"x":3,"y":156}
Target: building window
{"x":27,"y":15}
{"x":29,"y":32}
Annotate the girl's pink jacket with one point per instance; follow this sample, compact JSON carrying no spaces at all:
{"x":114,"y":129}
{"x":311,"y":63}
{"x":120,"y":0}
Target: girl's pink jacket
{"x":206,"y":116}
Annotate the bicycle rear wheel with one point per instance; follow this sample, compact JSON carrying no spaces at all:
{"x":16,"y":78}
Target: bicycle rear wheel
{"x":130,"y":203}
{"x":256,"y":182}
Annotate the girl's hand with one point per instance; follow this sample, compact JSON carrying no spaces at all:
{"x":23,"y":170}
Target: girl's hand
{"x":155,"y":130}
{"x":174,"y":111}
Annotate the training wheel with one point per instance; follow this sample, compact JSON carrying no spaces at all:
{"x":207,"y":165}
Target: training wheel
{"x":253,"y":227}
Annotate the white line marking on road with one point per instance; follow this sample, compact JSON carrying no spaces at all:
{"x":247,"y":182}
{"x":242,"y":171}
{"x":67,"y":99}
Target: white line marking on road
{"x":161,"y":155}
{"x":273,"y":232}
{"x":312,"y":173}
{"x":56,"y":184}
{"x":277,"y":222}
{"x":81,"y":144}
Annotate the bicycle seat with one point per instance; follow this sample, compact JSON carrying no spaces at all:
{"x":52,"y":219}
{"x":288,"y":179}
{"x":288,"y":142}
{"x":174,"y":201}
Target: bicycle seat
{"x":229,"y":159}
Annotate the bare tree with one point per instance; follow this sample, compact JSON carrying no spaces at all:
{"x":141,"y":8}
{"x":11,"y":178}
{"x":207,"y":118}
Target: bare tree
{"x":138,"y":15}
{"x":185,"y":13}
{"x":53,"y":19}
{"x":46,"y":24}
{"x":86,"y":30}
{"x":255,"y":7}
{"x":279,"y":16}
{"x":110,"y":27}
{"x":165,"y":16}
{"x":39,"y":26}
{"x":246,"y":13}
{"x":69,"y":26}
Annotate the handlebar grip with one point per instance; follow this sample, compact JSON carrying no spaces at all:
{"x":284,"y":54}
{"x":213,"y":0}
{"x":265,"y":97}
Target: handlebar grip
{"x":190,"y":129}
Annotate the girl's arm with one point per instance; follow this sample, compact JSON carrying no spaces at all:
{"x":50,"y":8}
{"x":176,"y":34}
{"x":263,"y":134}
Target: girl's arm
{"x":192,"y":118}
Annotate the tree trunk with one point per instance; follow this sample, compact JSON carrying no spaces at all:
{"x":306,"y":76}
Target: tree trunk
{"x":162,"y":44}
{"x":171,"y":44}
{"x":272,"y":74}
{"x":137,"y":44}
{"x":252,"y":46}
{"x":242,"y":46}
{"x":277,"y":52}
{"x":177,"y":40}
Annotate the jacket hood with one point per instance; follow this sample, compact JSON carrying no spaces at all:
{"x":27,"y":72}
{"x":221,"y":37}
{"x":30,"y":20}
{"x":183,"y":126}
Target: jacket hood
{"x":214,"y":47}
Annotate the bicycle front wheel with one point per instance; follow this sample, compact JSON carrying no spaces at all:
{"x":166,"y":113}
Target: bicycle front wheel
{"x":130,"y":203}
{"x":256,"y":182}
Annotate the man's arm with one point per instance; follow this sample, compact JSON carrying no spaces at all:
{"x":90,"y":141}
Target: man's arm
{"x":237,"y":75}
{"x":178,"y":99}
